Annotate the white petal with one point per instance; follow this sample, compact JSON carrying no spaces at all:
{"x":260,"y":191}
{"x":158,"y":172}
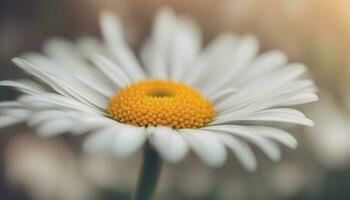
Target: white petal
{"x":10,"y":120}
{"x":112,"y":33}
{"x":94,"y":82}
{"x":53,"y":100}
{"x":128,"y":140}
{"x":171,"y":145}
{"x":10,"y":104}
{"x":248,"y":101}
{"x":300,"y":99}
{"x":217,"y":50}
{"x":92,"y":122}
{"x":185,"y":48}
{"x":112,"y":71}
{"x":230,"y":67}
{"x":90,"y":47}
{"x":62,"y":86}
{"x":244,"y":54}
{"x":262,"y":65}
{"x":86,"y":74}
{"x":270,"y":148}
{"x":285,"y":115}
{"x":111,"y":28}
{"x":83,"y":94}
{"x":157,"y":59}
{"x":221,"y":94}
{"x":64,"y":53}
{"x":21,"y":87}
{"x":147,"y":54}
{"x":55,"y":127}
{"x":100,"y":140}
{"x":208,"y":148}
{"x":18,"y":112}
{"x":242,"y":151}
{"x":42,"y":116}
{"x":276,"y":134}
{"x":280,"y":115}
{"x":46,"y":64}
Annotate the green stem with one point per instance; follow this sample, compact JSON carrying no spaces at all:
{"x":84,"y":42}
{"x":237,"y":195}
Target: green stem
{"x":149,"y":174}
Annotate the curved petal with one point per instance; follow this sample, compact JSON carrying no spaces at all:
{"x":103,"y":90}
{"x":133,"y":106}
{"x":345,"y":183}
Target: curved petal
{"x":128,"y":140}
{"x":170,"y":145}
{"x":52,"y":100}
{"x":244,"y":54}
{"x":185,"y":47}
{"x":241,"y":149}
{"x":23,"y":87}
{"x":112,"y":33}
{"x":276,"y":134}
{"x":62,"y":86}
{"x":10,"y":120}
{"x":280,"y":115}
{"x":100,"y":140}
{"x":55,"y":127}
{"x":270,"y":148}
{"x":90,"y":46}
{"x":299,"y":99}
{"x":287,"y":115}
{"x":112,"y":71}
{"x":262,"y":65}
{"x":208,"y":148}
{"x":231,"y":65}
{"x":156,"y":51}
{"x":215,"y":52}
{"x":45,"y":115}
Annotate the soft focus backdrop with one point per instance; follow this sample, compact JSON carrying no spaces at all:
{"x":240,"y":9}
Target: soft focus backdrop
{"x":315,"y":32}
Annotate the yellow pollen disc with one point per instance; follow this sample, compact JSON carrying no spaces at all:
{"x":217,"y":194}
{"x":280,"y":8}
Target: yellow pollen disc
{"x":161,"y":102}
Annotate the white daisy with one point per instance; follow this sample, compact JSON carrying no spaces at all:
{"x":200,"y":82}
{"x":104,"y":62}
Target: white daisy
{"x":181,"y":98}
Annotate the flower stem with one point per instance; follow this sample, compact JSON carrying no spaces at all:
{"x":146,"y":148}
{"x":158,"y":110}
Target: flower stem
{"x":149,"y":174}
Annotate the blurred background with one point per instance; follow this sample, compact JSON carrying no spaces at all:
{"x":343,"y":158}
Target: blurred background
{"x":315,"y":32}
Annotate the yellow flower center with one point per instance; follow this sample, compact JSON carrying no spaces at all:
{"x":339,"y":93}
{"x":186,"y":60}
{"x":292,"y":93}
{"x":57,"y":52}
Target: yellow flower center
{"x":161,"y":102}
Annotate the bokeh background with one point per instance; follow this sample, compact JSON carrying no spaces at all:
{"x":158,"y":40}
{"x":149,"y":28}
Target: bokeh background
{"x":315,"y":32}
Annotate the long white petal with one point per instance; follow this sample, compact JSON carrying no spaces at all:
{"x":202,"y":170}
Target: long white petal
{"x":90,"y":47}
{"x":61,"y":86}
{"x":10,"y":120}
{"x":263,"y":64}
{"x":93,"y":81}
{"x":55,"y":127}
{"x":18,"y":112}
{"x":21,"y":87}
{"x":222,"y":94}
{"x":230,"y":67}
{"x":208,"y":148}
{"x":52,"y":100}
{"x":169,"y":143}
{"x":112,"y":71}
{"x":185,"y":48}
{"x":42,"y":116}
{"x":128,"y":140}
{"x":215,"y":52}
{"x":241,"y":149}
{"x":276,"y":134}
{"x":4,"y":105}
{"x":157,"y":60}
{"x":269,"y":147}
{"x":66,"y":54}
{"x":280,"y":115}
{"x":299,"y":99}
{"x":100,"y":140}
{"x":112,"y":33}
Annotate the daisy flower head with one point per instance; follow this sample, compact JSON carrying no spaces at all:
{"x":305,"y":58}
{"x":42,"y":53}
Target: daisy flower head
{"x":178,"y":97}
